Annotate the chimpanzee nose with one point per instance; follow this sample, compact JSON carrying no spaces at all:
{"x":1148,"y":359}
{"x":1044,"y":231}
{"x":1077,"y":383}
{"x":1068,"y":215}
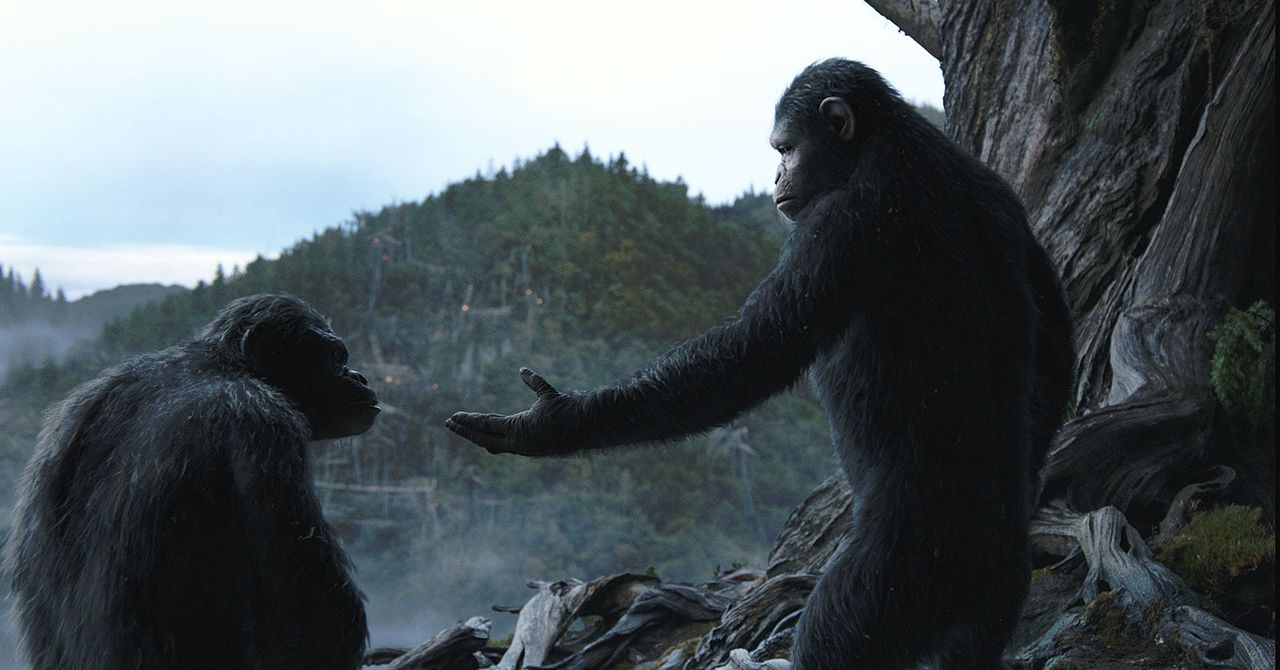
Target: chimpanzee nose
{"x":358,"y":376}
{"x":777,"y":176}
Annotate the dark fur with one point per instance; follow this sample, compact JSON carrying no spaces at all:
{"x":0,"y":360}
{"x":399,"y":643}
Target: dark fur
{"x":939,"y":343}
{"x":167,"y":518}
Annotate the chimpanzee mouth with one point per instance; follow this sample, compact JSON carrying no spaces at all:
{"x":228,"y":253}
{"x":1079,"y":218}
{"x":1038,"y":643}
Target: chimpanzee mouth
{"x":370,"y":406}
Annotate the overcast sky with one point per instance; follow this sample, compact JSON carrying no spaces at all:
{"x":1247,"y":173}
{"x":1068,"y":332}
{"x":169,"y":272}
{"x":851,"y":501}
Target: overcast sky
{"x":149,"y":141}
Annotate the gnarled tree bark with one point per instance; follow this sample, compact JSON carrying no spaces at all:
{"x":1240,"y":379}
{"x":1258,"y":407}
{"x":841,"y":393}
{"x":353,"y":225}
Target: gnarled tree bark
{"x":1141,"y":138}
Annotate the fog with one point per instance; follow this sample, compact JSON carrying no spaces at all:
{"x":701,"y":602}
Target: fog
{"x":35,"y":342}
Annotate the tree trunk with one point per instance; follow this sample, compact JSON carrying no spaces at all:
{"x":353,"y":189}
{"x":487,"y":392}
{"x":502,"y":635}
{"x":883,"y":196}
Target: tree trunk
{"x":1141,"y":138}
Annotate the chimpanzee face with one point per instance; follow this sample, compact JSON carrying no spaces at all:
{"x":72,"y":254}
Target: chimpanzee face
{"x":311,"y":370}
{"x":811,"y":161}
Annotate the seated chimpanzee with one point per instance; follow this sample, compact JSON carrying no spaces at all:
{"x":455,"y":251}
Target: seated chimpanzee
{"x":167,"y":518}
{"x":939,"y":344}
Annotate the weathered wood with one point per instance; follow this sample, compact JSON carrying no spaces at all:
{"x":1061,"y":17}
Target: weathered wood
{"x":546,"y":618}
{"x":453,"y":648}
{"x":918,"y":18}
{"x":1127,"y":454}
{"x":664,"y":605}
{"x":1216,"y":480}
{"x":542,"y":620}
{"x":1218,"y":644}
{"x":814,"y":530}
{"x":1140,"y":137}
{"x":771,"y":608}
{"x":1120,"y":561}
{"x":637,"y":618}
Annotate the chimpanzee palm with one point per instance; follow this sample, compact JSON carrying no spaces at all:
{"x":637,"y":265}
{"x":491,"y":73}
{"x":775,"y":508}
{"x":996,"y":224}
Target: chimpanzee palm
{"x":167,"y":519}
{"x":939,"y":344}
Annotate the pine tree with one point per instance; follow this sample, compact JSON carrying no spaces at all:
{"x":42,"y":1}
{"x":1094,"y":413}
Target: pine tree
{"x":218,"y":291}
{"x":61,"y":306}
{"x":6,"y":294}
{"x":37,"y":295}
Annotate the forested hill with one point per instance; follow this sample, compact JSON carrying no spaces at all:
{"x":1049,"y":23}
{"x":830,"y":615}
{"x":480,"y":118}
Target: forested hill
{"x":580,"y":268}
{"x":601,"y":246}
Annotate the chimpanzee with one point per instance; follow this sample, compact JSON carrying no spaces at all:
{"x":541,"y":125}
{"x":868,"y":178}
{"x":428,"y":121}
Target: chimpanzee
{"x":167,"y":518}
{"x":939,"y":343}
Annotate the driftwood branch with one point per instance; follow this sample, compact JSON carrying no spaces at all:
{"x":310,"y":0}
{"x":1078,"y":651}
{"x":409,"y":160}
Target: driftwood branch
{"x":664,"y":605}
{"x":637,"y":617}
{"x":1120,"y":561}
{"x":921,"y":20}
{"x":542,"y":620}
{"x":453,"y":648}
{"x":767,"y":611}
{"x":1219,"y":644}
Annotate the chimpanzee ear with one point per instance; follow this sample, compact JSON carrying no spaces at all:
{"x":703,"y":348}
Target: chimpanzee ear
{"x":253,"y":344}
{"x":839,"y":114}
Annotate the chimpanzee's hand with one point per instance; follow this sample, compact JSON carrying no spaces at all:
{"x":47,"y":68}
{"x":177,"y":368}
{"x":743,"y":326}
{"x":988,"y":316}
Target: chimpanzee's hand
{"x":541,"y":430}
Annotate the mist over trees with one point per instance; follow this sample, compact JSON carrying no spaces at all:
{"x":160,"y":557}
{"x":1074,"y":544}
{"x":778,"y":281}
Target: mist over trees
{"x":38,"y":325}
{"x":32,"y":322}
{"x":20,"y":302}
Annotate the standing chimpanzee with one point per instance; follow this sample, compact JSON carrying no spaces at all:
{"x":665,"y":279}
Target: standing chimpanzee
{"x":939,"y":344}
{"x":167,"y":519}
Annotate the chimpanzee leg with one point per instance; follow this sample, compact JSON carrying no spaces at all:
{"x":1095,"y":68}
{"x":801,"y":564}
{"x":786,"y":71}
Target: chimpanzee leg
{"x":885,"y":607}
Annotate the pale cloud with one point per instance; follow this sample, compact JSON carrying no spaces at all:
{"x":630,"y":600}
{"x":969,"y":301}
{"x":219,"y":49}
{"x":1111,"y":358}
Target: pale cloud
{"x":238,"y":124}
{"x":83,"y":270}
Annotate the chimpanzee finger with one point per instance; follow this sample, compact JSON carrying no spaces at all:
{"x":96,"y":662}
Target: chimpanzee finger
{"x":462,"y":424}
{"x":494,"y":444}
{"x":486,"y":423}
{"x":535,"y":381}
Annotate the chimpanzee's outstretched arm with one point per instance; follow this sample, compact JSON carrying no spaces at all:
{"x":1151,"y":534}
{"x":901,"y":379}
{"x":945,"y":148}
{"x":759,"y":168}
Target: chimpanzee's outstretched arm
{"x":798,"y":310}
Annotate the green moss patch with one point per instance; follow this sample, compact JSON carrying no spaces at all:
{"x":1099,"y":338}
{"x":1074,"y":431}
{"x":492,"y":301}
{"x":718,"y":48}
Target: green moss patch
{"x":1219,"y":545}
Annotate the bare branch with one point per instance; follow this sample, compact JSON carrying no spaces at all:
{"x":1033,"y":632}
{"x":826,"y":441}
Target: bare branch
{"x":919,"y":19}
